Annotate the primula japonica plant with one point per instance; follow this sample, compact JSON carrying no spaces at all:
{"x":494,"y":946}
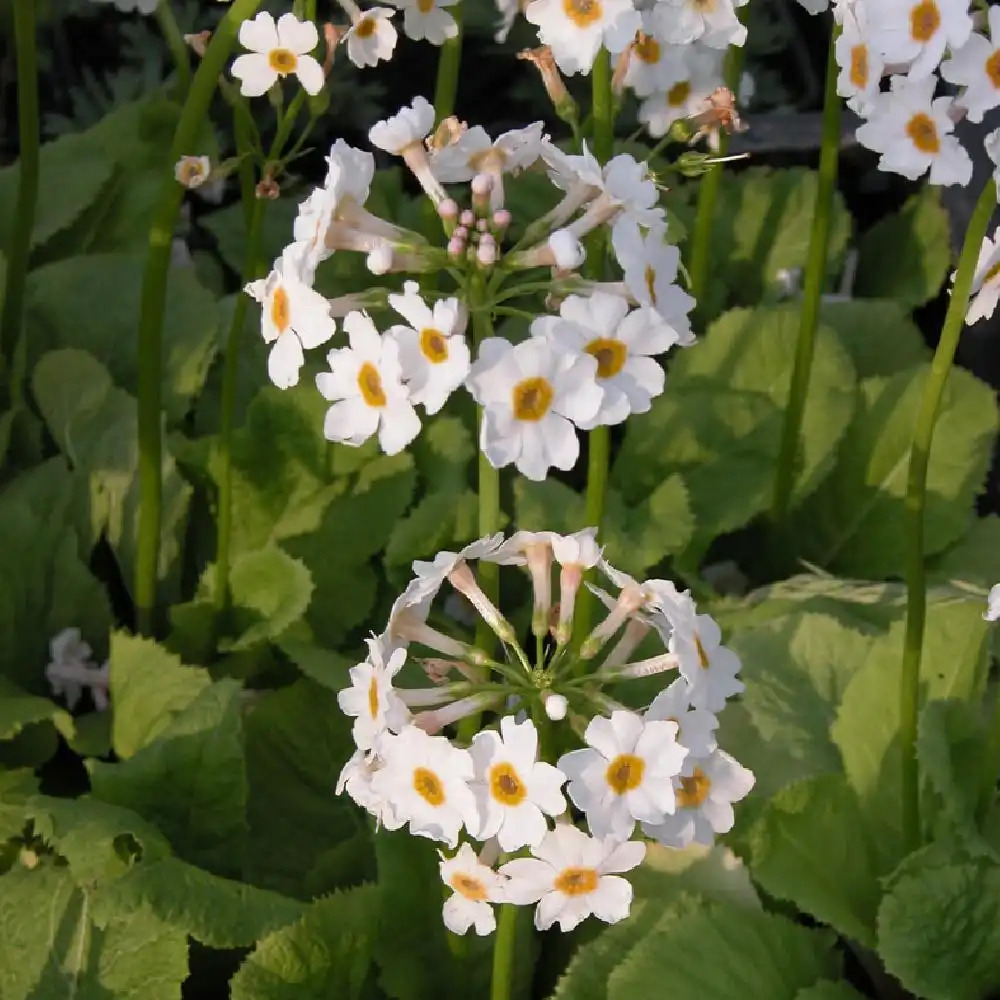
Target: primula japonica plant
{"x":353,"y":436}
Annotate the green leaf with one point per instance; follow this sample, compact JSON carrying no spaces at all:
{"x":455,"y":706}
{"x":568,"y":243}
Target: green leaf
{"x":228,"y":226}
{"x":326,"y":954}
{"x":878,"y":334}
{"x":62,"y":954}
{"x":826,"y":989}
{"x":444,"y":453}
{"x":939,"y":931}
{"x":218,"y":912}
{"x":189,"y":781}
{"x":856,"y":524}
{"x":318,"y":664}
{"x":150,"y":687}
{"x":439,"y":521}
{"x":16,"y":787}
{"x":905,"y":256}
{"x":19,"y":710}
{"x":711,"y":951}
{"x":971,"y":562}
{"x":810,"y":847}
{"x":708,"y":872}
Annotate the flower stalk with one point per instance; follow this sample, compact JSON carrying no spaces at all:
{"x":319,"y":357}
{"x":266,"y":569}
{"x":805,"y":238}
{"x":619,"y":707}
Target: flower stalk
{"x":449,"y":62}
{"x":153,"y":302}
{"x":19,"y":248}
{"x":178,"y":47}
{"x":812,"y":289}
{"x":504,"y":950}
{"x":916,"y":496}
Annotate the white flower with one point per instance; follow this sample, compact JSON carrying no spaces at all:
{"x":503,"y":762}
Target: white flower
{"x":433,"y":574}
{"x":514,"y":790}
{"x":531,"y":396}
{"x":861,"y":65}
{"x":556,"y":707}
{"x":576,"y":29}
{"x":139,"y":6}
{"x":654,"y":65}
{"x":626,"y":775}
{"x":432,"y":351}
{"x":424,"y":20}
{"x":293,"y":317}
{"x":687,"y":96}
{"x":574,"y":553}
{"x":475,"y":152}
{"x":508,"y":10}
{"x":276,"y":51}
{"x":567,"y":251}
{"x":986,"y":282}
{"x":71,"y":670}
{"x":475,"y":887}
{"x":427,"y":781}
{"x":913,"y":133}
{"x":714,"y":23}
{"x":629,"y":185}
{"x":991,"y":144}
{"x":917,"y":31}
{"x":572,"y":876}
{"x":408,"y":126}
{"x":371,"y":38}
{"x":192,"y":171}
{"x":650,"y":265}
{"x":365,"y":381}
{"x":371,"y":699}
{"x":357,"y":779}
{"x":709,"y":668}
{"x":695,"y":726}
{"x":976,"y":66}
{"x":622,"y":343}
{"x":992,"y":612}
{"x":706,"y":791}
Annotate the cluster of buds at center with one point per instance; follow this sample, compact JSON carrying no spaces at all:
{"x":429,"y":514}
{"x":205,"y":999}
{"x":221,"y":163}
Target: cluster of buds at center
{"x":475,"y":233}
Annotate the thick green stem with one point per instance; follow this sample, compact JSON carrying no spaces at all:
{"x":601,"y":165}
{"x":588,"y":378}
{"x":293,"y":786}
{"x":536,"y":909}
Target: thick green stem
{"x":504,"y":950}
{"x":603,"y":106}
{"x":598,"y":457}
{"x":449,"y":62}
{"x":812,"y":290}
{"x":178,"y":47}
{"x":916,"y":494}
{"x":154,"y":296}
{"x":19,"y":248}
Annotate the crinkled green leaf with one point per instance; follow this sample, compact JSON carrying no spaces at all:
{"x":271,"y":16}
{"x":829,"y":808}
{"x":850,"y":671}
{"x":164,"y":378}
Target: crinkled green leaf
{"x":444,"y":452}
{"x":879,"y":334}
{"x":972,"y":560}
{"x":826,"y":989}
{"x":16,"y":787}
{"x":441,"y":520}
{"x":228,"y":226}
{"x":19,"y":710}
{"x":318,"y":664}
{"x":709,"y":872}
{"x":60,"y":953}
{"x":856,"y":523}
{"x":325,"y":954}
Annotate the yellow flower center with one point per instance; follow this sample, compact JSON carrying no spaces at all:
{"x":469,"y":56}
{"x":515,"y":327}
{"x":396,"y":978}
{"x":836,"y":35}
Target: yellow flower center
{"x":532,"y":398}
{"x":923,"y":132}
{"x":693,"y":790}
{"x":610,"y":354}
{"x":993,"y":69}
{"x":625,"y":773}
{"x":425,"y":6}
{"x":433,"y":345}
{"x":678,"y":93}
{"x":469,"y":887}
{"x":506,"y":785}
{"x":373,"y":698}
{"x":991,"y":273}
{"x":705,"y":6}
{"x":283,"y":61}
{"x":191,"y":171}
{"x":428,"y":786}
{"x":583,"y":13}
{"x":370,"y":383}
{"x":646,"y":48}
{"x":576,"y":881}
{"x":649,"y":275}
{"x":925,"y":19}
{"x":859,"y":66}
{"x":365,"y":27}
{"x":281,"y":311}
{"x":702,"y":655}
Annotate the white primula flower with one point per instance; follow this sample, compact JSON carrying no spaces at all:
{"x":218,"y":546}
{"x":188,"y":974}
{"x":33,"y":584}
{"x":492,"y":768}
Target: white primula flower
{"x":917,"y":31}
{"x":366,"y":384}
{"x":371,"y":38}
{"x":912,"y":131}
{"x":986,"y":282}
{"x":650,"y":266}
{"x":654,"y":65}
{"x":713,"y":23}
{"x":576,"y":29}
{"x":357,"y":779}
{"x":622,"y":343}
{"x":371,"y":700}
{"x":409,"y":125}
{"x":514,"y":790}
{"x":687,"y":96}
{"x":426,"y":20}
{"x":70,"y":670}
{"x":706,"y":791}
{"x":432,"y":350}
{"x":695,"y":726}
{"x":572,"y":876}
{"x":709,"y":668}
{"x":531,"y":397}
{"x":626,"y":774}
{"x":293,"y":317}
{"x":475,"y":887}
{"x":976,"y":66}
{"x":992,"y":612}
{"x":861,"y":65}
{"x":475,"y":152}
{"x":276,"y":51}
{"x":427,"y":781}
{"x":192,"y":171}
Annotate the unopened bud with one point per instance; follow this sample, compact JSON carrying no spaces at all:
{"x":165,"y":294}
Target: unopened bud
{"x":379,"y":261}
{"x":455,"y":247}
{"x":448,"y":209}
{"x":483,"y":225}
{"x":567,"y":250}
{"x":268,"y":188}
{"x":486,"y":253}
{"x":467,"y":218}
{"x":461,"y":233}
{"x":556,"y":707}
{"x":501,"y":219}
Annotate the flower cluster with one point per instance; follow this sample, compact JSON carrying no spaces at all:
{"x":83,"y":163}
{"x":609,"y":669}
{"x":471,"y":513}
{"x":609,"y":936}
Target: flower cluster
{"x":542,"y":733}
{"x":592,"y":363}
{"x":71,"y":671}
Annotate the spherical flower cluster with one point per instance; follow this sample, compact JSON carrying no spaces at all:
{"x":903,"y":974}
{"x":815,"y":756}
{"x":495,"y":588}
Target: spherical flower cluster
{"x":508,"y":802}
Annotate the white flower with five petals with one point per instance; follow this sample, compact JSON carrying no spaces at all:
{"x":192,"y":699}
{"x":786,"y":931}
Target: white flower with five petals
{"x":695,"y":726}
{"x":976,"y":67}
{"x":709,"y":668}
{"x":475,"y":886}
{"x":427,"y":20}
{"x":371,"y":38}
{"x":277,"y":50}
{"x":917,"y":31}
{"x":576,"y":29}
{"x":715,"y":23}
{"x":371,"y":700}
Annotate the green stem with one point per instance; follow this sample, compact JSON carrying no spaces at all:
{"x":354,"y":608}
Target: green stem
{"x":449,"y":61}
{"x":598,"y":457}
{"x":916,"y":494}
{"x":154,"y":296}
{"x":19,"y":248}
{"x":812,"y":291}
{"x":178,"y":47}
{"x":504,"y":950}
{"x":603,"y":106}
